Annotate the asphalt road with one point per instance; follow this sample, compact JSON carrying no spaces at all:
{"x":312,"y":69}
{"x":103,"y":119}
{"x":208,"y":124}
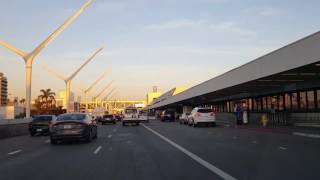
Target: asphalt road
{"x":161,"y":151}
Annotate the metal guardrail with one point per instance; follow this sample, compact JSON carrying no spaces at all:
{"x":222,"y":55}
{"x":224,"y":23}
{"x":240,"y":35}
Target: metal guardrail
{"x":15,"y":121}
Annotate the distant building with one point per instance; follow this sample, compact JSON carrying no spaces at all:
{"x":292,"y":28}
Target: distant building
{"x":3,"y":90}
{"x":61,"y":100}
{"x":151,"y":96}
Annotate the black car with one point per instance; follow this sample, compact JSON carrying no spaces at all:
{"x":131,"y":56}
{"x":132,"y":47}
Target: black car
{"x":118,"y":117}
{"x":109,"y":118}
{"x":73,"y":126}
{"x":40,"y":124}
{"x":167,"y":115}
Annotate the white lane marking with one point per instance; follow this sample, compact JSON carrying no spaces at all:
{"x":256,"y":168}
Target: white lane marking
{"x":14,"y":152}
{"x":306,"y":135}
{"x":204,"y":163}
{"x":110,"y":135}
{"x":283,"y":148}
{"x":97,"y":150}
{"x":47,"y":141}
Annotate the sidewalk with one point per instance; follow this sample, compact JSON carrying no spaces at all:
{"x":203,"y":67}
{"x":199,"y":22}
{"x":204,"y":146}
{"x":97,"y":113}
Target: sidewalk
{"x":312,"y":132}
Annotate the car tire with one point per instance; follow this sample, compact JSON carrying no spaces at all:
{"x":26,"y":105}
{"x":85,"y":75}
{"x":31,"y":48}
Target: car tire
{"x":194,"y":124}
{"x":32,"y":133}
{"x":53,"y":141}
{"x":137,"y":124}
{"x":96,"y":135}
{"x":89,"y":136}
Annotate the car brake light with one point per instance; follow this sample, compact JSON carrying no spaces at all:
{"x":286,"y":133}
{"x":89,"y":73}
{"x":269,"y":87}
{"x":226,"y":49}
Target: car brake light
{"x":50,"y":124}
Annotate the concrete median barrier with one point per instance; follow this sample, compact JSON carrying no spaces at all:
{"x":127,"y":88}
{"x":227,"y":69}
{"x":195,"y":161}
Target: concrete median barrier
{"x":13,"y":127}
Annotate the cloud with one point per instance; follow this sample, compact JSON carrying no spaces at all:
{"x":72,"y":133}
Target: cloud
{"x":232,"y":28}
{"x":175,"y":24}
{"x":225,"y":27}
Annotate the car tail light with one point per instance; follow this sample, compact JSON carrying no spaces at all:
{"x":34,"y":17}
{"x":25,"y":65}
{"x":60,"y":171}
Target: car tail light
{"x":50,"y":124}
{"x":212,"y":114}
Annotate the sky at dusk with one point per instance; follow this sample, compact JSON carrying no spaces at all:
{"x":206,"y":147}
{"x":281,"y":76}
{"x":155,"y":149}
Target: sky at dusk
{"x":164,"y":43}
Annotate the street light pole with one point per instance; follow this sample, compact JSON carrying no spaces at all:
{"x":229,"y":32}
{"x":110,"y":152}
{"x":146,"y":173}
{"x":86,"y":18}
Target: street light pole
{"x":70,"y":78}
{"x":29,"y":57}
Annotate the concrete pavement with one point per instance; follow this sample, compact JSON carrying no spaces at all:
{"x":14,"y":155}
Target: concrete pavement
{"x":134,"y":152}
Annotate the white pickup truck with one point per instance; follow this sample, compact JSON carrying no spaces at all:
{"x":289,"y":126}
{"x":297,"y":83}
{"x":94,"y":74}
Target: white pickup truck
{"x":130,"y":116}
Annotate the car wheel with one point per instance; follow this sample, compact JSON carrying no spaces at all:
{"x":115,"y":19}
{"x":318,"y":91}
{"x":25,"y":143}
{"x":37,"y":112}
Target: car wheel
{"x":32,"y":133}
{"x":89,"y":136}
{"x":137,"y":124}
{"x":53,"y":141}
{"x":194,"y":124}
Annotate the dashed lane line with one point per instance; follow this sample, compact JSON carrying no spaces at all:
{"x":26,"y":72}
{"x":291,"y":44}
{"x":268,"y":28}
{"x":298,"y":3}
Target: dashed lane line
{"x":193,"y":156}
{"x":283,"y":148}
{"x":109,"y":136}
{"x":97,"y":150}
{"x":14,"y":152}
{"x":47,"y":141}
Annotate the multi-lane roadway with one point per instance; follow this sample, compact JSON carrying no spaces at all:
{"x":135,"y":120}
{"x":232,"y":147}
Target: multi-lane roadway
{"x":161,"y":151}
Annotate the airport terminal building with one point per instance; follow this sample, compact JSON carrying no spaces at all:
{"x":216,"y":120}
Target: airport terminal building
{"x":285,"y":82}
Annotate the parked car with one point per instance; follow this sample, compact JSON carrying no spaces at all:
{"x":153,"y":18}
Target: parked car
{"x":202,"y":115}
{"x":40,"y":124}
{"x":184,"y":118}
{"x":108,"y":118}
{"x":167,"y":115}
{"x":73,"y":126}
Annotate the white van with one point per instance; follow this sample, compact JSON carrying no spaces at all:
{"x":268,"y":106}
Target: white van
{"x":130,"y":116}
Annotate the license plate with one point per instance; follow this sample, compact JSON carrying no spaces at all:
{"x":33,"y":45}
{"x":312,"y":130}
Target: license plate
{"x":66,"y":126}
{"x":39,"y":130}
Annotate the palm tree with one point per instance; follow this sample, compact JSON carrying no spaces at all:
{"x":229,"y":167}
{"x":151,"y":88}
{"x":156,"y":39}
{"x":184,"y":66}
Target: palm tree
{"x":47,"y":99}
{"x":22,"y":101}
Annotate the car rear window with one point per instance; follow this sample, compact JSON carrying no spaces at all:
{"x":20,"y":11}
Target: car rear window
{"x":42,"y":118}
{"x":72,"y":117}
{"x":130,"y":111}
{"x":205,"y":110}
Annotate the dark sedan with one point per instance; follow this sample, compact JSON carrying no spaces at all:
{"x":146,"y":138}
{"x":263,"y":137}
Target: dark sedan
{"x":108,"y":119}
{"x":40,"y":124}
{"x":73,"y":126}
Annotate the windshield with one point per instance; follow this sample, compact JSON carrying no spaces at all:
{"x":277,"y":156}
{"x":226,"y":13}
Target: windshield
{"x":130,"y":111}
{"x":42,"y":118}
{"x":72,"y":117}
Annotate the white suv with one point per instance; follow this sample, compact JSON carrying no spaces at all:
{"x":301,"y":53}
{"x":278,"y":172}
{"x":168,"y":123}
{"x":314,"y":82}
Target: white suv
{"x":202,"y":115}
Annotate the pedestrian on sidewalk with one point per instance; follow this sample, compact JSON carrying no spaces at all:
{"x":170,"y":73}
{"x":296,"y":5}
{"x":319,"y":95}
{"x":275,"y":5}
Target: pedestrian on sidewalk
{"x":238,"y":114}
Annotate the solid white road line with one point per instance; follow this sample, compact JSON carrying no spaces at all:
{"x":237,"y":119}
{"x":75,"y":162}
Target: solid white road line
{"x":97,"y":150}
{"x":204,"y":163}
{"x":14,"y":152}
{"x":110,"y":135}
{"x":306,"y":135}
{"x":47,"y":141}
